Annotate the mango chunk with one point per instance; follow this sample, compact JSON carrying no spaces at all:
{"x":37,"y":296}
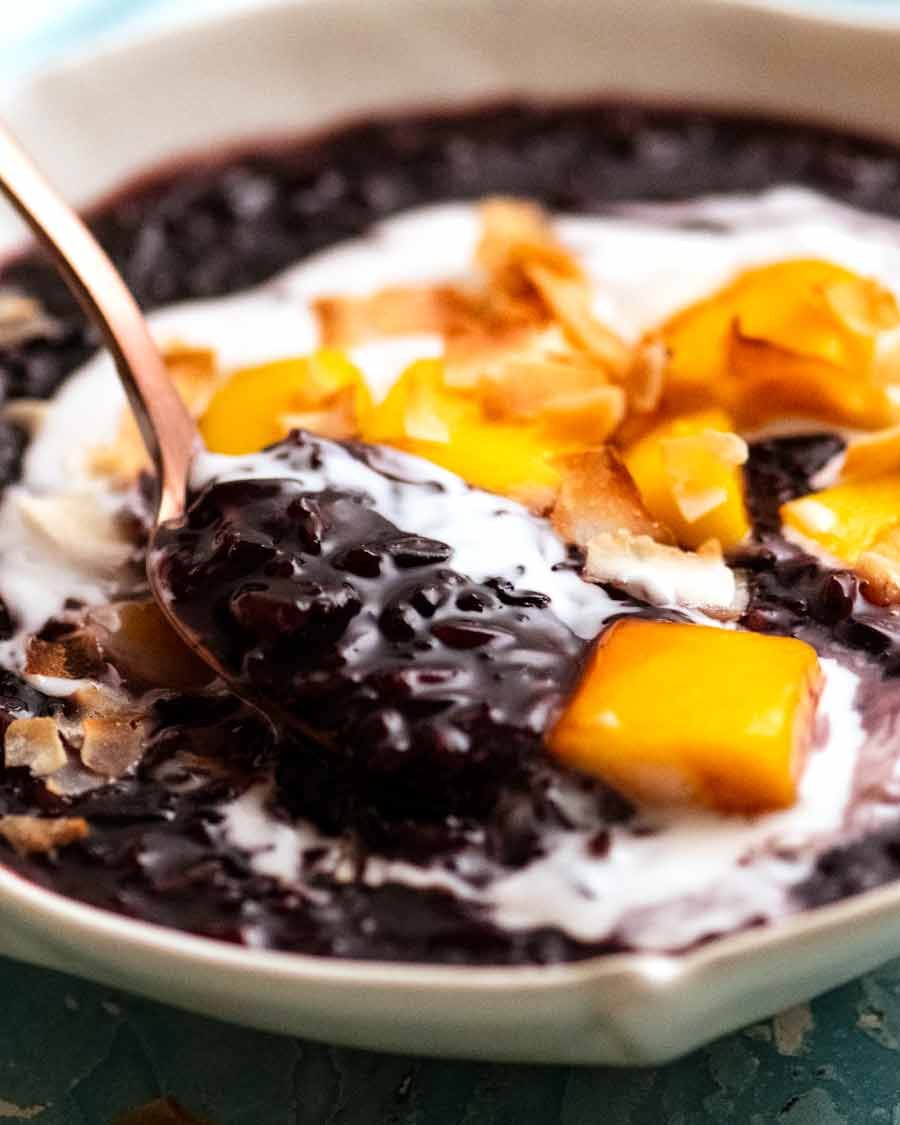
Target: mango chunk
{"x":688,"y":474}
{"x":872,"y":455}
{"x":770,"y":381}
{"x":323,"y":392}
{"x":802,"y":336}
{"x":847,"y":519}
{"x":422,"y":415}
{"x":571,"y":400}
{"x":677,"y":713}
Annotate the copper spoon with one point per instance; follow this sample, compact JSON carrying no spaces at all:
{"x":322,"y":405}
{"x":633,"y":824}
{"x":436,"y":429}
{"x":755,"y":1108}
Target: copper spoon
{"x":168,"y":431}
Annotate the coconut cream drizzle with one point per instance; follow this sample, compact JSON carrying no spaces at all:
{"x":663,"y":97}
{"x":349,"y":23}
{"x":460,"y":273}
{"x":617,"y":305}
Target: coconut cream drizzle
{"x":686,"y":873}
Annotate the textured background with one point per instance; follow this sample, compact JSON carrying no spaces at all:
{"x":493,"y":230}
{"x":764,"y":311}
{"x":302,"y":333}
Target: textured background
{"x":75,"y":1054}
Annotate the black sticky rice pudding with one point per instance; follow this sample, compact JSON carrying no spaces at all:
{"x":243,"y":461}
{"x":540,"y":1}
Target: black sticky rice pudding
{"x":390,"y":785}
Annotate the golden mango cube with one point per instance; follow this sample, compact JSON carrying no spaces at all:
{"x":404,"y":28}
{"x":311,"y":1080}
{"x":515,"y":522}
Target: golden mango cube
{"x":847,"y":519}
{"x":770,"y":298}
{"x":688,"y":474}
{"x":573,"y":402}
{"x":676,"y":713}
{"x":872,"y":455}
{"x":769,"y":381}
{"x":802,"y":336}
{"x":790,"y":305}
{"x":422,"y":415}
{"x":257,"y":406}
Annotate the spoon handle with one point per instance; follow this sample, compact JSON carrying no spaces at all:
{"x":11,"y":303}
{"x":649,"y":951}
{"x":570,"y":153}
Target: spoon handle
{"x":168,"y":431}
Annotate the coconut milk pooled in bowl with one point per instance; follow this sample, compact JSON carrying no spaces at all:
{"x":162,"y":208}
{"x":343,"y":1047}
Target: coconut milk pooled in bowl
{"x":548,"y":521}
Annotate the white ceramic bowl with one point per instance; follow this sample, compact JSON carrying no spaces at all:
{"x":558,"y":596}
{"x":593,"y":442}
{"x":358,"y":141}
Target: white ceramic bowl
{"x":100,"y":118}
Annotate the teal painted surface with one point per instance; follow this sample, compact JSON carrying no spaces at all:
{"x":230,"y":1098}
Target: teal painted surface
{"x":75,"y":1054}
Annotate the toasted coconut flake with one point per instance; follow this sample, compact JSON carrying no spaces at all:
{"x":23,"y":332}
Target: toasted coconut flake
{"x":646,"y":375}
{"x":522,"y":381}
{"x":480,"y":354}
{"x":29,"y":834}
{"x":695,"y":501}
{"x":21,"y":318}
{"x":515,"y":232}
{"x":99,"y":700}
{"x":195,"y":375}
{"x":73,"y":780}
{"x":121,"y":460}
{"x":569,"y":300}
{"x":879,"y":569}
{"x":489,"y":314}
{"x":111,"y":746}
{"x":507,"y":222}
{"x":102,"y":724}
{"x":534,"y":374}
{"x":397,"y":310}
{"x":29,"y":413}
{"x":663,"y":575}
{"x":73,"y":657}
{"x":467,"y":356}
{"x":516,"y":237}
{"x":80,"y":529}
{"x":725,"y":445}
{"x":34,"y":743}
{"x":598,"y":495}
